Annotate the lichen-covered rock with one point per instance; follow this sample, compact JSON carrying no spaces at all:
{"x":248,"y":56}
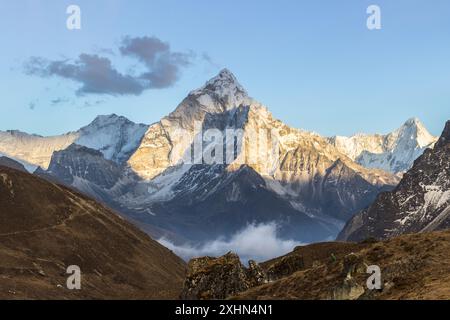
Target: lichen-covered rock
{"x":350,"y":288}
{"x":353,"y":264}
{"x":215,"y":278}
{"x":256,"y":275}
{"x":218,"y":278}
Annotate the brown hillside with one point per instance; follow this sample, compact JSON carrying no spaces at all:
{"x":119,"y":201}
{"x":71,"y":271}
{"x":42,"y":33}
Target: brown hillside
{"x":414,"y":266}
{"x":45,"y":227}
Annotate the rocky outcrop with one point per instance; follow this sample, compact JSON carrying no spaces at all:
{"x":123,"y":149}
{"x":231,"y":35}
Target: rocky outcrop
{"x":349,"y":288}
{"x":218,"y":278}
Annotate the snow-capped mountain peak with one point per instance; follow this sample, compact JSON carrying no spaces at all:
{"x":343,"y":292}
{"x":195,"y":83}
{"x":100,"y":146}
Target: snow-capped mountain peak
{"x":168,"y":141}
{"x":108,"y":119}
{"x":224,"y":84}
{"x":115,"y":136}
{"x":224,"y":88}
{"x":413,"y":129}
{"x":394,"y":152}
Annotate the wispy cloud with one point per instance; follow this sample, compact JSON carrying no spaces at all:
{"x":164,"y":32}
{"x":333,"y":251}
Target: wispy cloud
{"x":258,"y":242}
{"x":163,"y":65}
{"x":97,"y":75}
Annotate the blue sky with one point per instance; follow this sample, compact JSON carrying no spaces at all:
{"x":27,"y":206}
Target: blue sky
{"x":313,"y":63}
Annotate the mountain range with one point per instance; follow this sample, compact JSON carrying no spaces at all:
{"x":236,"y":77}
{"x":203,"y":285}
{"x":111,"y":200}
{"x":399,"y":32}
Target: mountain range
{"x":308,"y":184}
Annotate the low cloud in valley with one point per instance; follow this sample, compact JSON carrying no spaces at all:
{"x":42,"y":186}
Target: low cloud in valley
{"x":258,"y":242}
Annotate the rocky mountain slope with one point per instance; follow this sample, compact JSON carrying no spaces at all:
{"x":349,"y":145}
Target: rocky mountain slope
{"x":394,"y":152}
{"x":421,"y":202}
{"x":413,"y":267}
{"x":44,"y":228}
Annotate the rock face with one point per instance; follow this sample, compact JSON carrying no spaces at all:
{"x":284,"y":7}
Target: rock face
{"x":421,"y":202}
{"x":217,"y":278}
{"x":78,"y":162}
{"x":394,"y":152}
{"x":88,"y":171}
{"x":44,"y":228}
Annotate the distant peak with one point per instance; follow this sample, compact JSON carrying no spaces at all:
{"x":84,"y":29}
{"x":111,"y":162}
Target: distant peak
{"x":225,"y":77}
{"x":413,"y":128}
{"x":413,"y":122}
{"x":223,"y":84}
{"x":109,"y":119}
{"x":226,"y":74}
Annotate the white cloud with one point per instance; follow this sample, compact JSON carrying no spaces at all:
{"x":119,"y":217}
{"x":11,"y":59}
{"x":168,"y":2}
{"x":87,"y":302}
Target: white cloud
{"x":258,"y":242}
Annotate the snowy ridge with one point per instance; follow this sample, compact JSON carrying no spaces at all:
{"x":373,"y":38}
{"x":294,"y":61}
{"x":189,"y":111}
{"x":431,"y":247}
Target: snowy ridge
{"x":225,"y":87}
{"x":116,"y":137}
{"x":32,"y":149}
{"x":394,"y":152}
